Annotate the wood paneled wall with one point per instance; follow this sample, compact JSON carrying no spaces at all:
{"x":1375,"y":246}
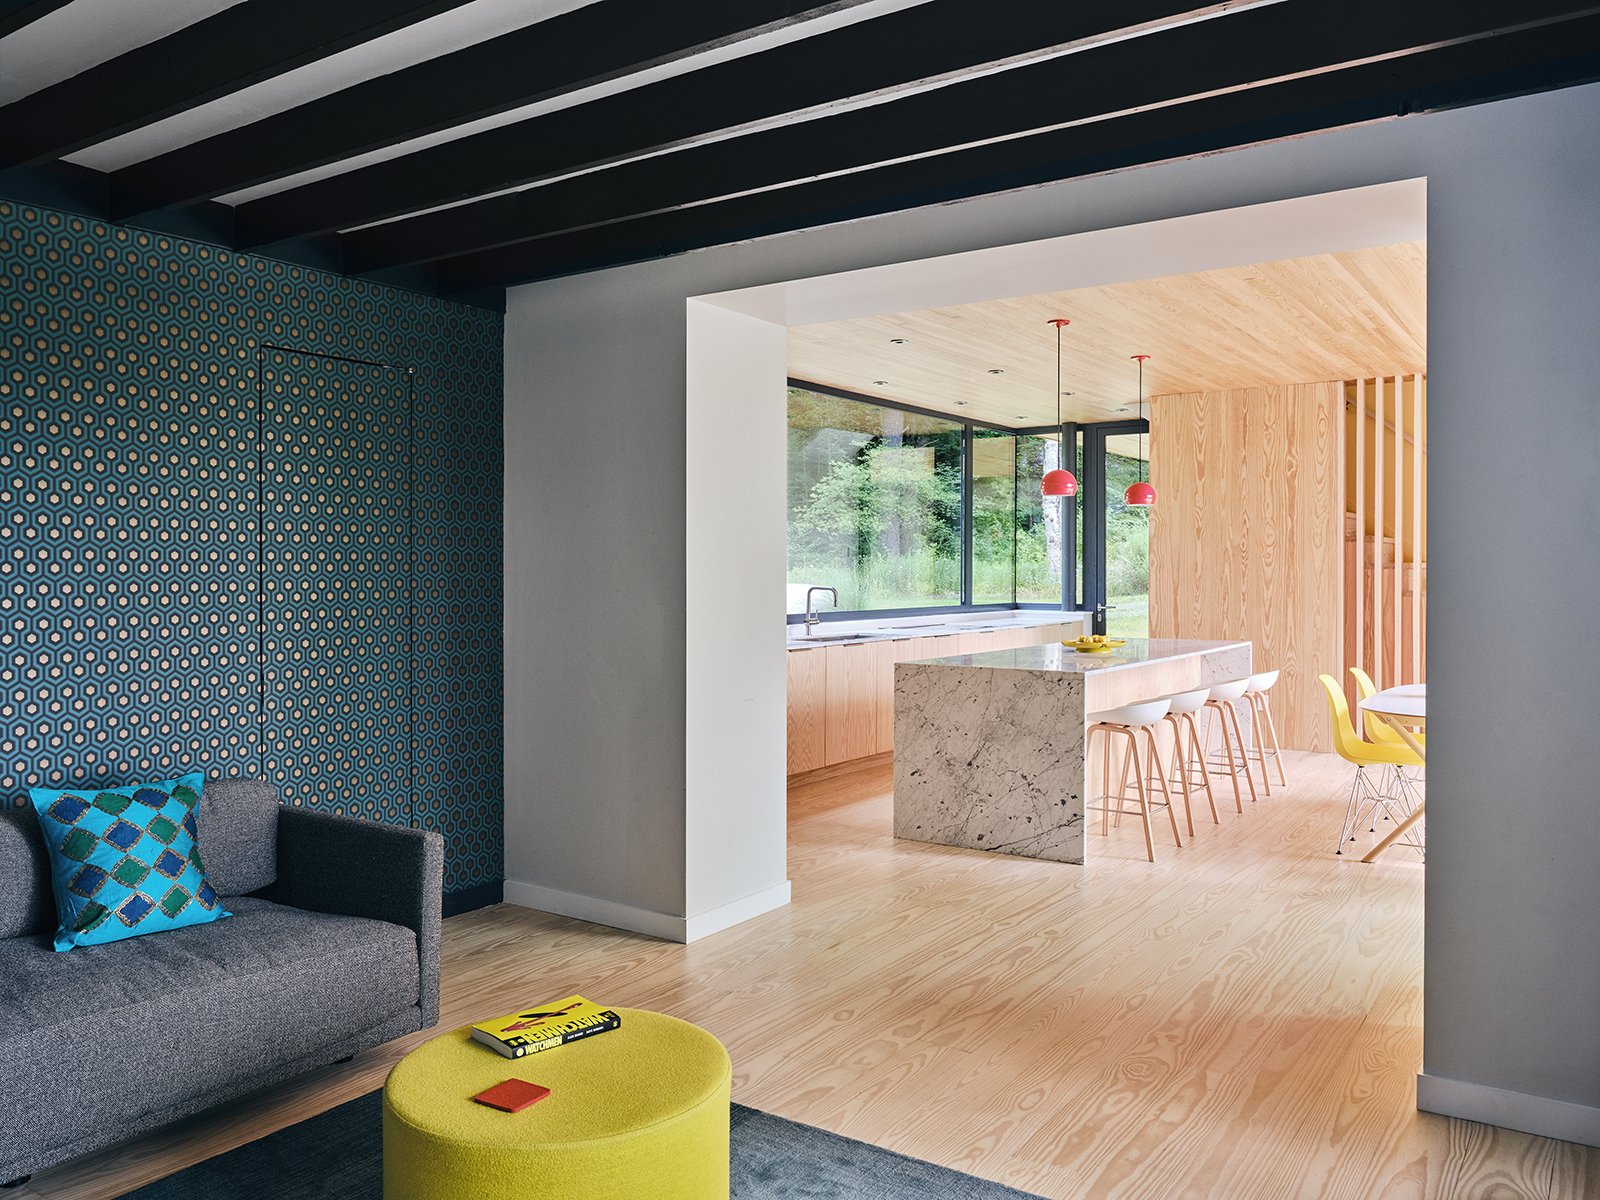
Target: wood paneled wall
{"x":1247,"y":535}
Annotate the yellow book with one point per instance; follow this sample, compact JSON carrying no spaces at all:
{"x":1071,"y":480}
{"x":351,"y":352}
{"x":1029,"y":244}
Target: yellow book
{"x":545,"y":1026}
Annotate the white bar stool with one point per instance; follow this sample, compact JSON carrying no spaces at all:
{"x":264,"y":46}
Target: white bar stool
{"x":1221,"y":702}
{"x":1129,"y":721}
{"x":1180,"y":715}
{"x":1261,"y":724}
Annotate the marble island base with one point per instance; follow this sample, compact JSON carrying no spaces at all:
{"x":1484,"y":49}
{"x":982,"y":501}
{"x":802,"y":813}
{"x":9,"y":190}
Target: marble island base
{"x":989,"y":748}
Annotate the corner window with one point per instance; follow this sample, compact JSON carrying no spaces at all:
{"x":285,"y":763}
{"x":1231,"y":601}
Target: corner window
{"x":875,"y":504}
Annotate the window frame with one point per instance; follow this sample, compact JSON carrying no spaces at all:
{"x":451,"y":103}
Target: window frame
{"x":1093,"y":533}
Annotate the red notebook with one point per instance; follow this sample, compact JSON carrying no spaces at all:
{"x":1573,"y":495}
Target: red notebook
{"x":513,"y":1095}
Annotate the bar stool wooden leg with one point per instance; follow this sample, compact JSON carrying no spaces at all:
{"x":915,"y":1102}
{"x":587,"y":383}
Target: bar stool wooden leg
{"x":1213,"y":707}
{"x":1205,"y":773}
{"x":1277,"y":750}
{"x":1105,"y":782}
{"x":1239,"y":737}
{"x":1176,"y":721}
{"x":1144,"y":800}
{"x":1258,"y":735}
{"x":1130,"y":759}
{"x":1229,"y":709}
{"x":1256,"y":751}
{"x":1160,"y":774}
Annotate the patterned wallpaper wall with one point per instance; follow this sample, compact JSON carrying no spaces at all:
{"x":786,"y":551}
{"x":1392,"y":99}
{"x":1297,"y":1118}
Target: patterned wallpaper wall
{"x":229,"y":540}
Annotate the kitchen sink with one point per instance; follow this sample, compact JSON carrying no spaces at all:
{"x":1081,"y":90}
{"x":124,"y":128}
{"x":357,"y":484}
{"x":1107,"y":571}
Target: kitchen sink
{"x":834,"y":637}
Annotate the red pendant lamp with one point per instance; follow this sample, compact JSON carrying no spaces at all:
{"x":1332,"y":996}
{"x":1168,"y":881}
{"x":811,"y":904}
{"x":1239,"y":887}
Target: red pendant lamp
{"x":1059,"y":482}
{"x":1141,"y":494}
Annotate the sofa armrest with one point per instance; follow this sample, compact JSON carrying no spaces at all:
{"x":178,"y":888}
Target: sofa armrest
{"x":355,"y":868}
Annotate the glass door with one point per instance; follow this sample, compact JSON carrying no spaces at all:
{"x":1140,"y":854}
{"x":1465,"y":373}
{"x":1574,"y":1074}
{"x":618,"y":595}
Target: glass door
{"x":1116,"y":535}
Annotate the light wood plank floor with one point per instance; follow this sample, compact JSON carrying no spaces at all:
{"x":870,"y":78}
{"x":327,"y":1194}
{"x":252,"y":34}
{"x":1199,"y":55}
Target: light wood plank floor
{"x":1241,"y":1019}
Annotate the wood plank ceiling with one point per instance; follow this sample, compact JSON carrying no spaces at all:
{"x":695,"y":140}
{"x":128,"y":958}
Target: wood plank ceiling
{"x":1333,"y":316}
{"x":459,"y":146}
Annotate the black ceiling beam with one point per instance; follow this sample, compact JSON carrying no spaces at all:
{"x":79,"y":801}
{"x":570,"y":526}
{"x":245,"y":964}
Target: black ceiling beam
{"x":233,"y":49}
{"x":1169,"y":67}
{"x":591,"y":45}
{"x":67,"y":187}
{"x":18,"y":14}
{"x":884,"y":52}
{"x":1479,"y":71}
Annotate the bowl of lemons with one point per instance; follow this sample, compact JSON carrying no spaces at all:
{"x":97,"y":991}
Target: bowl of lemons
{"x":1097,"y":643}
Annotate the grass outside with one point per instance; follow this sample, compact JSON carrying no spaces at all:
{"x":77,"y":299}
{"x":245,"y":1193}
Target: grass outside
{"x":1129,"y":616}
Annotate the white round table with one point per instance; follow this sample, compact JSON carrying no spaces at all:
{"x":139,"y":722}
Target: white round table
{"x":1408,"y":704}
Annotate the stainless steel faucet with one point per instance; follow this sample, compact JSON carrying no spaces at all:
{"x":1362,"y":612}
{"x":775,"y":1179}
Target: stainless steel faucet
{"x":811,"y":615}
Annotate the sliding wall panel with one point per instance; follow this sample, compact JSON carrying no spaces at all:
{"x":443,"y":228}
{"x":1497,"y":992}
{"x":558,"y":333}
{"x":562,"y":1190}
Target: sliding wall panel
{"x":140,"y":470}
{"x":456,"y":516}
{"x":337,"y":642}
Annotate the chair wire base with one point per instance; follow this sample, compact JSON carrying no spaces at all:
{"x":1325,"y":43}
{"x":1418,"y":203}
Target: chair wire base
{"x":1395,"y":800}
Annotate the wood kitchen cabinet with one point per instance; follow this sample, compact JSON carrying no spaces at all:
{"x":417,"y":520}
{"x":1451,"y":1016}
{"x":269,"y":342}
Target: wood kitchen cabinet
{"x":854,"y":688}
{"x":808,"y":702}
{"x":841,"y":698}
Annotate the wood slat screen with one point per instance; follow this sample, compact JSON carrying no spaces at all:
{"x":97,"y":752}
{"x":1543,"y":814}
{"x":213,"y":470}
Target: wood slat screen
{"x":1385,"y":533}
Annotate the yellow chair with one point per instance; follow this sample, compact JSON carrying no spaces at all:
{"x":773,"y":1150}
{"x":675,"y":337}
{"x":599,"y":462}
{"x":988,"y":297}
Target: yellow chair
{"x":1364,"y":797}
{"x":1379,"y":730}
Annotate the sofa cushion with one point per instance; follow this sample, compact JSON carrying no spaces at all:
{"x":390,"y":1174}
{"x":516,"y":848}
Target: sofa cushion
{"x":108,"y":1032}
{"x":123,"y":860}
{"x":25,"y":897}
{"x":238,"y":833}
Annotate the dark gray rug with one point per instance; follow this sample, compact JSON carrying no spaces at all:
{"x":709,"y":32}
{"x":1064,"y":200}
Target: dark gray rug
{"x":339,"y":1156}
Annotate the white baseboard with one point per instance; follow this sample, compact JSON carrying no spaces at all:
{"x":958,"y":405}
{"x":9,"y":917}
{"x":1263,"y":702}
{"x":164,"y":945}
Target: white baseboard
{"x":1510,"y":1110}
{"x":644,"y":920}
{"x":703,"y":924}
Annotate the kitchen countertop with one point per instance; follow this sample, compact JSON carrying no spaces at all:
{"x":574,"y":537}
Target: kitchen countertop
{"x":855,"y":633}
{"x":1142,"y":669}
{"x":1053,"y":656}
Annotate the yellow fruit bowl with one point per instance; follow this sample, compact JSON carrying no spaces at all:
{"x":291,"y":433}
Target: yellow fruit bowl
{"x":1085,"y":646}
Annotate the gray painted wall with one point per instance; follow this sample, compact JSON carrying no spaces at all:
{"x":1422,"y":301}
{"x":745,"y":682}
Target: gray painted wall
{"x":595,"y":438}
{"x":594,"y":537}
{"x":1512,"y":991}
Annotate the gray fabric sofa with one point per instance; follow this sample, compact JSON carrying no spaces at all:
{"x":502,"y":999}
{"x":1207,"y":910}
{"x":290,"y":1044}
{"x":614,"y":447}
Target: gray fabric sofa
{"x":333,"y":947}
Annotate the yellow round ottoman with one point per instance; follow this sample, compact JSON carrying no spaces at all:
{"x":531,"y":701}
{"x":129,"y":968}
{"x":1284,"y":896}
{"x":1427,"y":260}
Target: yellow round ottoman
{"x":640,"y":1111}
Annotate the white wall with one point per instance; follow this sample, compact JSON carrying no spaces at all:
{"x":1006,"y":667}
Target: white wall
{"x":735,"y":710}
{"x":599,"y":542}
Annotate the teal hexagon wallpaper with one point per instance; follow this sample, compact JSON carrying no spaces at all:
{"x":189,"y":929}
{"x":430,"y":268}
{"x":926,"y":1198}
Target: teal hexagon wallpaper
{"x":249,"y":524}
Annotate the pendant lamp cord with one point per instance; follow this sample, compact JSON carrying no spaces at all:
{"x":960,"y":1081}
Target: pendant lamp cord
{"x":1146,"y":421}
{"x":1061,"y":433}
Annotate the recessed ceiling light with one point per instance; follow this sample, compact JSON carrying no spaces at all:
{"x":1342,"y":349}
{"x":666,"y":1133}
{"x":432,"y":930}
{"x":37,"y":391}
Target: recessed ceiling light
{"x":1069,"y":393}
{"x":897,"y":341}
{"x":961,"y":403}
{"x":880,"y":382}
{"x":997,"y":371}
{"x":1022,"y":416}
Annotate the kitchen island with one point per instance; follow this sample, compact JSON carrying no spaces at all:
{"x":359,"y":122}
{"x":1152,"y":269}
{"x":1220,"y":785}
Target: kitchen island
{"x":989,"y":748}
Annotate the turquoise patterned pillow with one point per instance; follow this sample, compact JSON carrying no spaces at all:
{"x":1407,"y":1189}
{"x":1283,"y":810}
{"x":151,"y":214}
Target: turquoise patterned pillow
{"x":124,"y":861}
